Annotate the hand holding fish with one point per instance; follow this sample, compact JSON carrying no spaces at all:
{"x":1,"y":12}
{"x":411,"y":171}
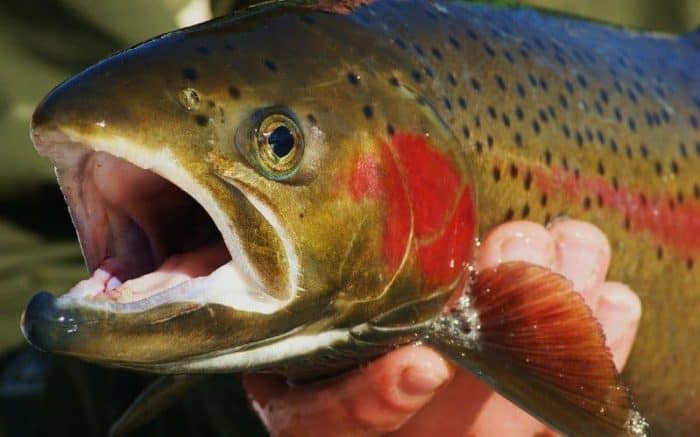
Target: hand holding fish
{"x":414,"y":390}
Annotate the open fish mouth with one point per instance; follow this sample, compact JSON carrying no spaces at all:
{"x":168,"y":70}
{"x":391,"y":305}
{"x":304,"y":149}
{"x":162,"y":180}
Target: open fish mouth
{"x":146,"y":240}
{"x":160,"y":251}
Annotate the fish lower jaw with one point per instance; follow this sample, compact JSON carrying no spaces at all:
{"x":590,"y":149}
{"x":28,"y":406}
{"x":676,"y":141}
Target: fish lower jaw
{"x":178,"y":280}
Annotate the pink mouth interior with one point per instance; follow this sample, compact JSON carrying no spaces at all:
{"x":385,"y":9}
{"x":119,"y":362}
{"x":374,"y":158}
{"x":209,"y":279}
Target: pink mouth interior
{"x":140,"y":233}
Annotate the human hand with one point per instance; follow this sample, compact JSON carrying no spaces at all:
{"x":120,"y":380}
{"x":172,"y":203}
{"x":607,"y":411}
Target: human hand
{"x":413,"y":391}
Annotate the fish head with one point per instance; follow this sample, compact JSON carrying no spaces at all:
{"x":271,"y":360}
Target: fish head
{"x":252,"y":193}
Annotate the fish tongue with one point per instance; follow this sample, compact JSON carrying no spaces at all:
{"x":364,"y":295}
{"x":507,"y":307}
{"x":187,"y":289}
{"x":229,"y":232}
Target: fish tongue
{"x":528,"y":334}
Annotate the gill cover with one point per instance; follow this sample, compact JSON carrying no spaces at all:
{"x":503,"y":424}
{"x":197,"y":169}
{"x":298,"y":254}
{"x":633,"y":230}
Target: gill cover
{"x":339,"y":248}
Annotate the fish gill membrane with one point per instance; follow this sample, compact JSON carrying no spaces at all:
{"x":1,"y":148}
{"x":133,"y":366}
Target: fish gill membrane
{"x":234,"y":216}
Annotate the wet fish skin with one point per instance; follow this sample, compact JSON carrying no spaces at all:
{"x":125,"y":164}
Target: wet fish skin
{"x":545,"y":116}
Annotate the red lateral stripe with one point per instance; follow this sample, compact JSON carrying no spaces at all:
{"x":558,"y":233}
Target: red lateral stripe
{"x":669,"y":222}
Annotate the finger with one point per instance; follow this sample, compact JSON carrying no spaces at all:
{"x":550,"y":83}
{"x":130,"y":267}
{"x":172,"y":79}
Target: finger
{"x":582,"y":255}
{"x":367,"y":402}
{"x":618,"y":312}
{"x":517,"y":241}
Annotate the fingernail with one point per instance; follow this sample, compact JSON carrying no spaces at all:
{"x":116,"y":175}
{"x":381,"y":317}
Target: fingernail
{"x":527,"y":246}
{"x":583,"y":254}
{"x":417,"y":380}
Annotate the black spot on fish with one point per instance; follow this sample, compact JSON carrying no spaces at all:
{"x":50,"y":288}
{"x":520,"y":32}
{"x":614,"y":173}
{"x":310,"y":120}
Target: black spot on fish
{"x":509,"y":214}
{"x":418,"y":49}
{"x":201,"y":120}
{"x":501,"y":83}
{"x":475,"y":84}
{"x":613,"y":145}
{"x":569,"y":86}
{"x":189,"y":73}
{"x":353,"y":79}
{"x":489,"y":50}
{"x":454,"y":42}
{"x":437,"y":54}
{"x":270,"y":65}
{"x":513,"y":171}
{"x":416,"y":76}
{"x":520,"y":89}
{"x":674,"y":167}
{"x":400,"y":43}
{"x":509,"y":57}
{"x":683,"y":149}
{"x":492,"y":112}
{"x":311,"y":118}
{"x":566,"y":131}
{"x":489,"y":141}
{"x":234,"y":92}
{"x":586,"y":203}
{"x":632,"y":124}
{"x":527,"y":182}
{"x":368,"y":111}
{"x":548,"y":157}
{"x":506,"y":119}
{"x":451,"y":79}
{"x":536,"y":127}
{"x":644,"y":151}
{"x":518,"y":139}
{"x":563,"y":102}
{"x":462,"y":102}
{"x":618,"y":114}
{"x":471,"y":34}
{"x":496,"y":172}
{"x":582,"y":81}
{"x":543,"y":200}
{"x":393,"y":81}
{"x":526,"y":210}
{"x":479,"y":147}
{"x":543,"y":83}
{"x":390,"y":129}
{"x":448,"y":104}
{"x":466,"y":132}
{"x":693,"y":121}
{"x":519,"y":114}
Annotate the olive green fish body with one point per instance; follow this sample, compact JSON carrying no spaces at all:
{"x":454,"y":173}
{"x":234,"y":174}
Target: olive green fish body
{"x":568,"y":118}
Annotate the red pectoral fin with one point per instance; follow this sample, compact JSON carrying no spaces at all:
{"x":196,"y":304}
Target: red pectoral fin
{"x":525,"y":331}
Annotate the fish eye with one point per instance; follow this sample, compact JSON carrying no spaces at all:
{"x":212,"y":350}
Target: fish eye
{"x":279,"y":145}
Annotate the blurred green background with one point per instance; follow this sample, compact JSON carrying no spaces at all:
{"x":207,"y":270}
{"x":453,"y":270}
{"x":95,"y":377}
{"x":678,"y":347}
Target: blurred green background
{"x":43,"y":42}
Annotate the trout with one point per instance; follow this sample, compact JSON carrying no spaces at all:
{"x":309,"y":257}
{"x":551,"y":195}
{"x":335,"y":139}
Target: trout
{"x":297,"y":190}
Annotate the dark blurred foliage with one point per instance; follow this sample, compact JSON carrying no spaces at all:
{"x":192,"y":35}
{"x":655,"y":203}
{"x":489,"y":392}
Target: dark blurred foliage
{"x":43,"y":42}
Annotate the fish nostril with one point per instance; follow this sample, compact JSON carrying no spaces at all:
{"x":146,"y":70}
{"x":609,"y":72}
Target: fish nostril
{"x":189,"y":99}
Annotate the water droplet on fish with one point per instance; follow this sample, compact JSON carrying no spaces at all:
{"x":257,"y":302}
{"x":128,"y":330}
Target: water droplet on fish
{"x":189,"y":99}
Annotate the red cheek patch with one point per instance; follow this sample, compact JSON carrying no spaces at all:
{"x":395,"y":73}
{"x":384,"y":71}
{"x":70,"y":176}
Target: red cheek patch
{"x":422,"y":191}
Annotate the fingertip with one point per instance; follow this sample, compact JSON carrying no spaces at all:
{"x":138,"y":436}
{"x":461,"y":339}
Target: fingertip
{"x":582,"y":255}
{"x":619,"y":310}
{"x":517,"y":241}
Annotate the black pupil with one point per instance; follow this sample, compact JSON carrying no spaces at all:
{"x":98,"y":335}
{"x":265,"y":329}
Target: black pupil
{"x":281,"y":141}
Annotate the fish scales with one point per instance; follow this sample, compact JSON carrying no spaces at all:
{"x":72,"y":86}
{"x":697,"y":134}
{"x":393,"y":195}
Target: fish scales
{"x":498,"y":113}
{"x":568,"y":118}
